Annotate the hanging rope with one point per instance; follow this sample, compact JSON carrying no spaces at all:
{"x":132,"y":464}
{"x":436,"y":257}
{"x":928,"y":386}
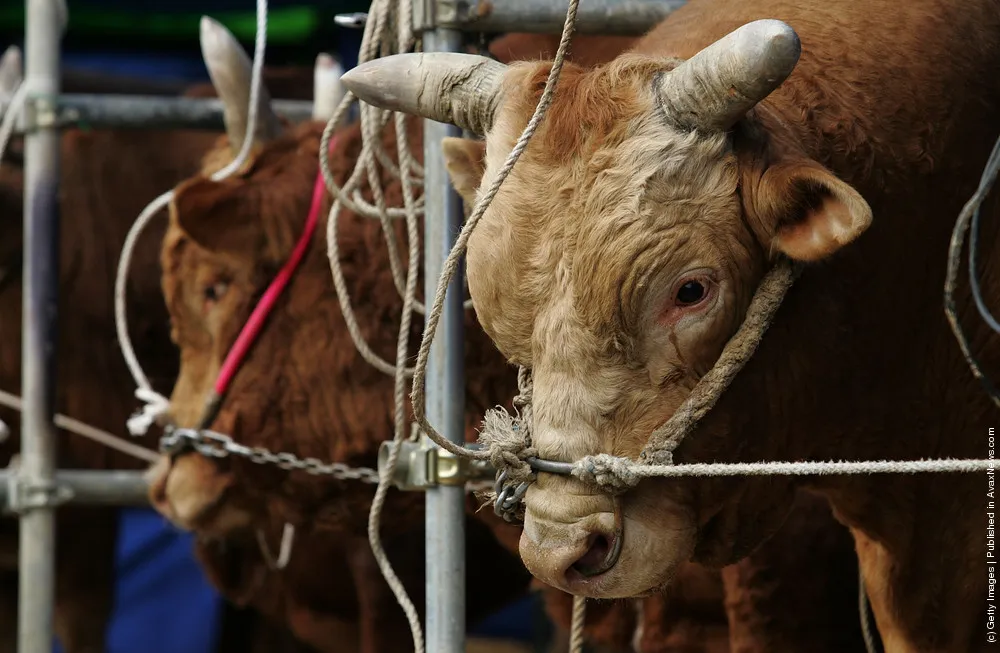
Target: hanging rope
{"x":970,"y":217}
{"x":577,"y":623}
{"x":372,"y":120}
{"x":156,"y":404}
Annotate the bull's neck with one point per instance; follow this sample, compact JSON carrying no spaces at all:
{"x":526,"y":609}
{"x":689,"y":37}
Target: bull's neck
{"x":861,"y":364}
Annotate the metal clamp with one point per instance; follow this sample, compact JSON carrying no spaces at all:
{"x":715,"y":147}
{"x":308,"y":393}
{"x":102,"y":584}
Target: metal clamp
{"x":423,"y":464}
{"x":26,"y":494}
{"x":44,"y":112}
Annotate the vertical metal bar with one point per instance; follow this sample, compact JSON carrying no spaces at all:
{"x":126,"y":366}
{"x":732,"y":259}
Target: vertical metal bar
{"x":445,"y":518}
{"x":43,"y":27}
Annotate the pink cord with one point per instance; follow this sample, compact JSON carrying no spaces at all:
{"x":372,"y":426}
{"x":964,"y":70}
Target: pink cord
{"x":254,"y":325}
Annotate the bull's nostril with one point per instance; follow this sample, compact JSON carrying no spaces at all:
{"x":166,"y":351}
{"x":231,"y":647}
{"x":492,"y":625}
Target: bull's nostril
{"x":593,"y":561}
{"x":603,"y":550}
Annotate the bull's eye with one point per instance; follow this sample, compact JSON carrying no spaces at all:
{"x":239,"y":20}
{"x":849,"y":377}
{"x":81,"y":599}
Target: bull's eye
{"x":690,"y":293}
{"x":215,"y":292}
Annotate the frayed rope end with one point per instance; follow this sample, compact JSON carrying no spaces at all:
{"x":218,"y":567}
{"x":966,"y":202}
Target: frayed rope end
{"x":155,"y":406}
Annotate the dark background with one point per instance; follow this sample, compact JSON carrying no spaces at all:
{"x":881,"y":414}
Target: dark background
{"x":158,"y":39}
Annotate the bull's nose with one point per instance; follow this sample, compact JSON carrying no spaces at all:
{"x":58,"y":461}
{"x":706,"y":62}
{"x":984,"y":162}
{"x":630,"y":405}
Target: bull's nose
{"x":564,"y":555}
{"x":156,"y":477}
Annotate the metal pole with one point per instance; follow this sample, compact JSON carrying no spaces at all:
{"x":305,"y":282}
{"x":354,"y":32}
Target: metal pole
{"x":605,"y":17}
{"x":43,"y":27}
{"x":445,"y":518}
{"x":148,"y":112}
{"x":617,"y":17}
{"x":91,"y":487}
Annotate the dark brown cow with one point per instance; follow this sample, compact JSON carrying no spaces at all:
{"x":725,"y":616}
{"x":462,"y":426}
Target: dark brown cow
{"x":95,"y":216}
{"x":624,"y":249}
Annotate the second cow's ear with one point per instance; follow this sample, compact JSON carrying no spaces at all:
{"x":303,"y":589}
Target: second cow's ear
{"x":217,"y":215}
{"x":465,"y":161}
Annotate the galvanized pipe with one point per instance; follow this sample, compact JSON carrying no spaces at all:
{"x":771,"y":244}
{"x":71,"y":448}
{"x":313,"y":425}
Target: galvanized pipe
{"x":445,"y":519}
{"x":92,"y":487}
{"x":618,"y":17}
{"x":36,"y":595}
{"x":146,"y":112}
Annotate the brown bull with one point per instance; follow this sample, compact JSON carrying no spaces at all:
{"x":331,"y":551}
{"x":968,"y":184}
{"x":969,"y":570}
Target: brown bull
{"x":623,"y":251}
{"x":95,"y":215}
{"x":304,"y":389}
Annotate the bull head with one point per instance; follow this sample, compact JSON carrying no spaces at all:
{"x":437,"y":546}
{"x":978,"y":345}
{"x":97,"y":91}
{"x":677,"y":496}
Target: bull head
{"x":617,"y":261}
{"x":231,"y":70}
{"x":712,"y":90}
{"x":327,"y":89}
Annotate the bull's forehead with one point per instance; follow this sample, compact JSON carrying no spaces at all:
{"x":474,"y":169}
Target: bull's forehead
{"x":596,"y":227}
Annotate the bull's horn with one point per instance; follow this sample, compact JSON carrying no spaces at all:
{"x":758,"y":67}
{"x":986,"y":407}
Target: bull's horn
{"x":463,"y":89}
{"x":231,"y":69}
{"x":328,"y":91}
{"x":716,"y":87}
{"x":11,"y":73}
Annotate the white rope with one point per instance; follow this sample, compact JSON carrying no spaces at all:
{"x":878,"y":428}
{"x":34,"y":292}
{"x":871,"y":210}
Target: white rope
{"x":577,"y":623}
{"x":617,"y":473}
{"x":155,"y":404}
{"x":372,"y":120}
{"x":80,"y":428}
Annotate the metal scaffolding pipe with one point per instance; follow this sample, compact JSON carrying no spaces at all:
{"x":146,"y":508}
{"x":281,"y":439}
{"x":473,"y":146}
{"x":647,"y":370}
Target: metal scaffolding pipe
{"x":445,"y":519}
{"x":617,"y":17}
{"x":92,"y":487}
{"x":146,"y":112}
{"x":36,"y":594}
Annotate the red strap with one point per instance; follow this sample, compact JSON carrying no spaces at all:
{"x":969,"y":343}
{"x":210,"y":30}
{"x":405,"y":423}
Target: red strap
{"x":254,"y":325}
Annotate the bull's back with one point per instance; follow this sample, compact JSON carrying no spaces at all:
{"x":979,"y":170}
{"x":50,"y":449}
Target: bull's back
{"x":880,"y":84}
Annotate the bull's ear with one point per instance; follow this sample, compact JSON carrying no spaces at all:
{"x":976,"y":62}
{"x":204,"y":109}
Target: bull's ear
{"x":465,"y":160}
{"x":218,"y":216}
{"x":803,"y":210}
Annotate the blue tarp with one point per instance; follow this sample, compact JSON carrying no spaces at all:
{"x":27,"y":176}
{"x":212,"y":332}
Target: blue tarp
{"x":163,"y":603}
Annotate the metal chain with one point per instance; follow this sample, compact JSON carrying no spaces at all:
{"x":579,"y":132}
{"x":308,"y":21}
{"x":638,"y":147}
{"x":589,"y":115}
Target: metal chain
{"x":218,"y":445}
{"x":213,"y":444}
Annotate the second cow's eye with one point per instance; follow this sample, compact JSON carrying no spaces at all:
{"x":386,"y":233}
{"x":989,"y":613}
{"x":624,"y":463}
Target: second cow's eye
{"x":214,"y":292}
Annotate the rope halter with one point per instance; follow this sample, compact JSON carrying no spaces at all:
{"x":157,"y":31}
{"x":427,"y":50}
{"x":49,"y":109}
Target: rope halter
{"x":508,"y":437}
